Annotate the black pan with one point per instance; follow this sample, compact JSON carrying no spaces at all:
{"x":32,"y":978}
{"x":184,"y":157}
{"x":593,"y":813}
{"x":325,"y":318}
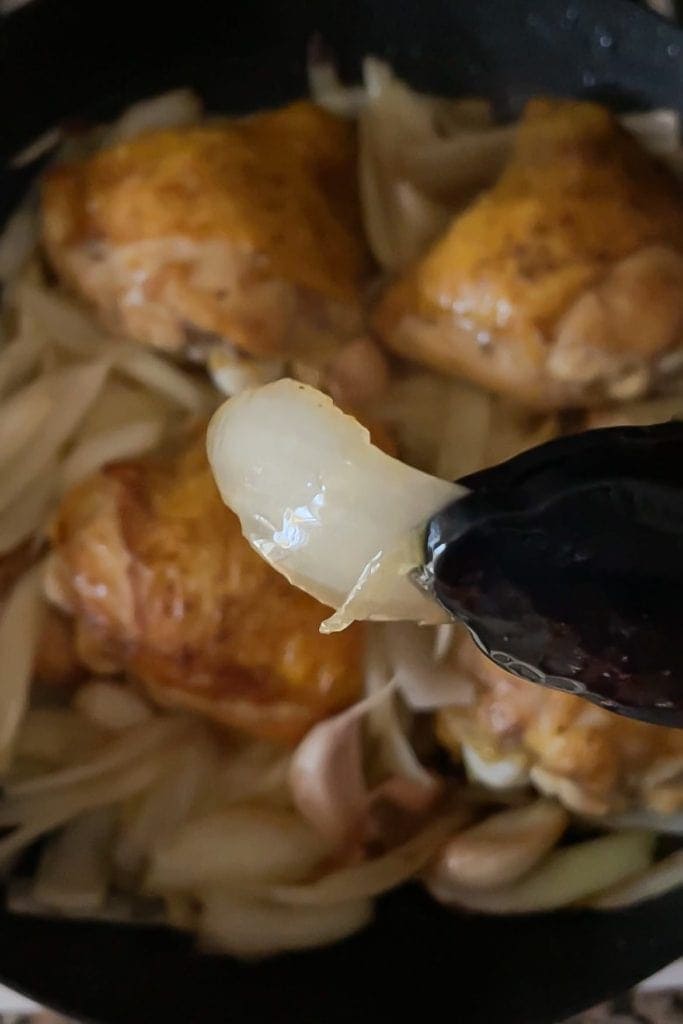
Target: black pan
{"x":66,"y":57}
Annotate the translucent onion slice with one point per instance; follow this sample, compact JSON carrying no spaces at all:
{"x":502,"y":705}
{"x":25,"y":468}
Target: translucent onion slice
{"x":52,"y":735}
{"x":175,"y":109}
{"x":425,"y":682}
{"x":394,"y":751}
{"x":18,"y":240}
{"x":124,"y":442}
{"x":158,"y":374}
{"x":239,"y":847}
{"x":119,"y":908}
{"x":21,"y":416}
{"x":321,"y":504}
{"x":19,"y":631}
{"x":72,"y":390}
{"x":111,"y":705}
{"x":658,"y":131}
{"x":126,"y":748}
{"x":74,"y":870}
{"x":55,"y":809}
{"x":654,"y":821}
{"x":61,"y":320}
{"x":18,"y":358}
{"x":251,"y":929}
{"x":26,"y":515}
{"x":254,"y":770}
{"x":162,"y":810}
{"x":376,"y":876}
{"x":657,"y":880}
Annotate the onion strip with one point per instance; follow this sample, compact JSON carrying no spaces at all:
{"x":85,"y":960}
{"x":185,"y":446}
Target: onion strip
{"x":124,"y":749}
{"x":73,"y":391}
{"x":21,"y":416}
{"x":375,"y":876}
{"x":18,"y":358}
{"x":19,"y":631}
{"x":661,"y":878}
{"x":57,"y":808}
{"x":26,"y":515}
{"x":124,"y":442}
{"x":159,"y":375}
{"x":74,"y":870}
{"x":252,"y":929}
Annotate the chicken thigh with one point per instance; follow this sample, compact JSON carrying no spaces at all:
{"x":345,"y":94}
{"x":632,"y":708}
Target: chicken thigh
{"x":163,"y":586}
{"x":244,"y":231}
{"x":592,"y":760}
{"x":563,"y":284}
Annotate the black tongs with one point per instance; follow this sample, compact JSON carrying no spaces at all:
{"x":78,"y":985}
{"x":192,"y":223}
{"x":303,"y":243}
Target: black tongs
{"x":566,"y":564}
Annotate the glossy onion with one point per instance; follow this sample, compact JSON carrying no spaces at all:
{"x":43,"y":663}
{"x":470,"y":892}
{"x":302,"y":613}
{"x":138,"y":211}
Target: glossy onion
{"x":321,"y":504}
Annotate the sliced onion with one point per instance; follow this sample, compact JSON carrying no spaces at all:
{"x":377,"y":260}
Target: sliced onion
{"x":457,"y":167}
{"x":20,"y":623}
{"x":125,"y":442}
{"x":123,"y":749}
{"x":316,"y":499}
{"x":233,"y":374}
{"x":18,"y":358}
{"x":654,"y":821}
{"x":658,"y":131}
{"x":252,"y":771}
{"x":21,"y":416}
{"x":502,"y":848}
{"x":18,"y":240}
{"x":564,"y":877}
{"x":250,"y":929}
{"x":52,"y":734}
{"x":657,"y":880}
{"x":444,"y":638}
{"x":74,"y":870}
{"x":396,"y":755}
{"x":328,"y":91}
{"x":37,"y":148}
{"x":164,"y":808}
{"x":175,"y":109}
{"x":111,"y":705}
{"x":72,"y":390}
{"x":376,"y":876}
{"x":121,"y":402}
{"x":118,"y":908}
{"x":26,"y":515}
{"x":56,"y":808}
{"x":240,"y":846}
{"x":61,"y":320}
{"x":160,"y":375}
{"x":425,"y":683}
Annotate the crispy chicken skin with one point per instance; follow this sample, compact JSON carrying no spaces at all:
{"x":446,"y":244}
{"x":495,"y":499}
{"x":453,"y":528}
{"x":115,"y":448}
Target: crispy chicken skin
{"x":162,"y":584}
{"x":562,"y":285}
{"x":244,"y":230}
{"x":592,"y":760}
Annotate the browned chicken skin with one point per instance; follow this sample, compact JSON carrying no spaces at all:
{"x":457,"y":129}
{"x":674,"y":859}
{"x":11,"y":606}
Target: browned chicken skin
{"x":162,"y":585}
{"x":563,"y":284}
{"x":243,"y":230}
{"x":593,"y":760}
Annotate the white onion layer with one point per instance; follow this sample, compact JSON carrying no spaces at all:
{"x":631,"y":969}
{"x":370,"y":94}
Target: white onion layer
{"x":318,"y":501}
